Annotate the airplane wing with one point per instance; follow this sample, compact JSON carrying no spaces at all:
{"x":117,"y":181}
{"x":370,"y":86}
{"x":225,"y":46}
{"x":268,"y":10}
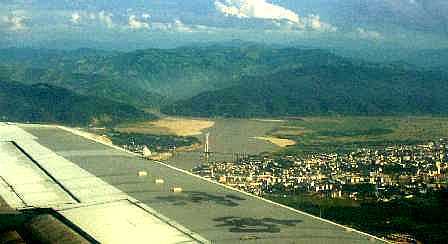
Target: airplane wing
{"x":99,"y":193}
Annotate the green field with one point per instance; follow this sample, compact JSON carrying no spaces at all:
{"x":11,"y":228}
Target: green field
{"x":341,"y":134}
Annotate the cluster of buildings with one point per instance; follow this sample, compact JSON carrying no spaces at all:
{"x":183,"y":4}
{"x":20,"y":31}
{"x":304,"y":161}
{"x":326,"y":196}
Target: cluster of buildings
{"x":400,"y":171}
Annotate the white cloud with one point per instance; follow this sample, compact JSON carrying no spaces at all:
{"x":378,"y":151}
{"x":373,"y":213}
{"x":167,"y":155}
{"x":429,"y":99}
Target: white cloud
{"x":87,"y":18}
{"x":75,"y":18}
{"x":282,"y":17}
{"x":179,"y":26}
{"x":313,"y":22}
{"x":92,"y":16}
{"x":106,"y":18}
{"x":255,"y":9}
{"x":15,"y":21}
{"x":134,"y":23}
{"x":368,"y":34}
{"x":102,"y":17}
{"x":160,"y":26}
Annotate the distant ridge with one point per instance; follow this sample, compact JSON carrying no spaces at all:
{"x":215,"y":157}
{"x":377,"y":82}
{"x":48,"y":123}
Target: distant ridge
{"x":336,"y":86}
{"x":236,"y":79}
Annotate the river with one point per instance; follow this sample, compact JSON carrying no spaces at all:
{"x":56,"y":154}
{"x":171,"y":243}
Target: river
{"x":227,"y":138}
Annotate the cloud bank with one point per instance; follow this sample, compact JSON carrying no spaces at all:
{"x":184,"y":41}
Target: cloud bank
{"x":313,"y":22}
{"x":75,"y":18}
{"x":16,"y":21}
{"x":255,"y":9}
{"x":106,"y":19}
{"x":261,"y":9}
{"x":102,"y":17}
{"x":368,"y":34}
{"x":135,"y":23}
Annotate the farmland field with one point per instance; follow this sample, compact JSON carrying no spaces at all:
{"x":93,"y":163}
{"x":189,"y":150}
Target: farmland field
{"x":339,"y":134}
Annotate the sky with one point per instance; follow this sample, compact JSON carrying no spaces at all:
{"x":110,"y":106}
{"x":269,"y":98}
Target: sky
{"x":128,"y":24}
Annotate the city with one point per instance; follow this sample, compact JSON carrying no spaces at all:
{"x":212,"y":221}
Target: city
{"x":393,"y":172}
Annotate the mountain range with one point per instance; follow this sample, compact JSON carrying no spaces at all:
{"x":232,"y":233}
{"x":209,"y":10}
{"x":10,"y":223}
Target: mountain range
{"x":338,"y":87}
{"x":244,"y":80}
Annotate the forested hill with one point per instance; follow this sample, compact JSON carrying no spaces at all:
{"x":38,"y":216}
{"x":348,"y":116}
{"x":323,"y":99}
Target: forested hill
{"x":343,"y":87}
{"x":50,"y":104}
{"x":244,"y":80}
{"x":151,"y":77}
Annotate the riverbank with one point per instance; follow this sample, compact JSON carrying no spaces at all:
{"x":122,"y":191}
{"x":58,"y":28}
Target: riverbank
{"x":277,"y":141}
{"x":184,"y":127}
{"x":168,"y":126}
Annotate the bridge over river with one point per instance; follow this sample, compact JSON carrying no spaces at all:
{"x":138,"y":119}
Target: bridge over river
{"x":229,"y":138}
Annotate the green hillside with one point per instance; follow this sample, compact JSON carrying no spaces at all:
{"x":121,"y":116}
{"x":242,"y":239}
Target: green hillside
{"x":152,"y":77}
{"x":334,"y":86}
{"x":50,"y":104}
{"x":235,"y":81}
